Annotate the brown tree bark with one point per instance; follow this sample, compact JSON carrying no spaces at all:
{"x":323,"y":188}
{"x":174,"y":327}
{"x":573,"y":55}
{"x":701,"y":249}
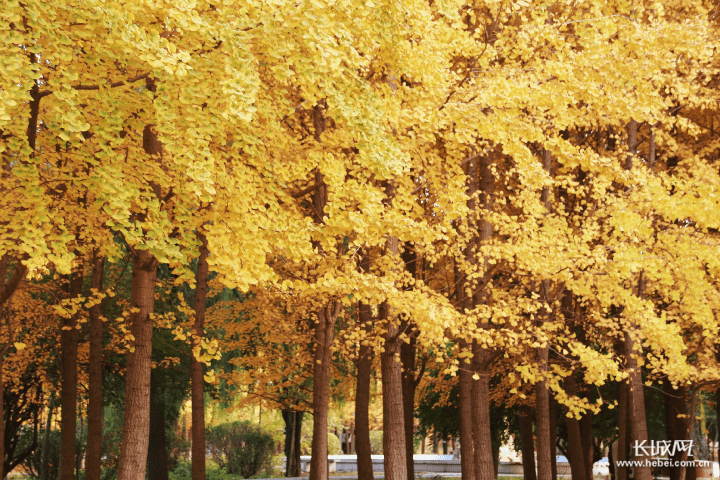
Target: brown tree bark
{"x":575,"y":440}
{"x":465,"y":386}
{"x":542,"y":395}
{"x":395,"y":457}
{"x":676,"y":419}
{"x":528,"y":444}
{"x":132,"y":462}
{"x":68,"y":382}
{"x":467,"y":450}
{"x":623,"y":446}
{"x":553,"y":436}
{"x":157,"y":459}
{"x":293,"y":427}
{"x":542,"y":420}
{"x":586,"y":431}
{"x":197,"y":380}
{"x":324,"y":334}
{"x":362,"y":391}
{"x":636,"y":395}
{"x":407,"y":358}
{"x":95,"y":378}
{"x":482,"y":436}
{"x":136,"y":422}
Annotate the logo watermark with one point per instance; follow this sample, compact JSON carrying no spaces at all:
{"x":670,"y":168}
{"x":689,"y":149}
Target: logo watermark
{"x":660,"y":453}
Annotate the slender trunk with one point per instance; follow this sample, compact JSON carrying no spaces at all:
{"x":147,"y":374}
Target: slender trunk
{"x":651,"y":150}
{"x":296,"y":450}
{"x":395,"y":457}
{"x":434,"y":442}
{"x":362,"y":391}
{"x":407,"y":355}
{"x":636,"y":396}
{"x":157,"y":459}
{"x":293,"y":424}
{"x":528,"y":446}
{"x":467,"y":450}
{"x":288,"y":415}
{"x":46,"y":440}
{"x":136,"y":422}
{"x":95,"y":377}
{"x":542,"y":422}
{"x":407,"y":358}
{"x":482,"y":435}
{"x":542,"y":395}
{"x":465,"y":386}
{"x":79,"y":451}
{"x":575,"y":439}
{"x":196,"y":367}
{"x":632,"y":144}
{"x":324,"y":334}
{"x":2,"y":418}
{"x":676,"y":418}
{"x":68,"y":382}
{"x":621,"y":473}
{"x":587,"y":443}
{"x":553,"y":436}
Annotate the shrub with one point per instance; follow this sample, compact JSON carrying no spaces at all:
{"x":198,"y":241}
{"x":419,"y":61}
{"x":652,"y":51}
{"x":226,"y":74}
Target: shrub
{"x":241,"y":448}
{"x":376,"y":442}
{"x":334,"y":447}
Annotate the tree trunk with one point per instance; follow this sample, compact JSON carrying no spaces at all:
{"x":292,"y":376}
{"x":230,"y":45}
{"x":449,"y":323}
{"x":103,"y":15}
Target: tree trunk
{"x":467,"y":450}
{"x":46,"y":441}
{"x":293,"y":426}
{"x":95,"y":378}
{"x":324,"y":334}
{"x":636,"y":396}
{"x":157,"y":459}
{"x":621,"y":473}
{"x":542,"y":395}
{"x":68,"y":382}
{"x":196,"y":367}
{"x":465,"y":386}
{"x":362,"y":391}
{"x":553,"y":436}
{"x":136,"y":422}
{"x":575,"y":440}
{"x":407,"y":357}
{"x":542,"y":422}
{"x":393,"y":416}
{"x":676,"y":418}
{"x":528,"y":446}
{"x":2,"y":417}
{"x":586,"y":431}
{"x":482,"y":436}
